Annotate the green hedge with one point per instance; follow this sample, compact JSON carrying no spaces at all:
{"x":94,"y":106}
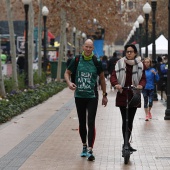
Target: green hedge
{"x":17,"y":102}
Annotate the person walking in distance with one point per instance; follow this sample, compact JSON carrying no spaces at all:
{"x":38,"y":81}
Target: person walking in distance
{"x":148,"y":91}
{"x":105,"y":66}
{"x":111,"y":64}
{"x":86,"y":94}
{"x":129,"y":70}
{"x":3,"y":58}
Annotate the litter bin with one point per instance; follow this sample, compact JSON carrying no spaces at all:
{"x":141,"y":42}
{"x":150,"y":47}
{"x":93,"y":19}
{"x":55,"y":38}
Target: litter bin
{"x":54,"y":66}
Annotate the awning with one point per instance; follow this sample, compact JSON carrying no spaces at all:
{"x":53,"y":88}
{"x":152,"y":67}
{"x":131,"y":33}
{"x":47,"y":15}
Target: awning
{"x":50,"y":35}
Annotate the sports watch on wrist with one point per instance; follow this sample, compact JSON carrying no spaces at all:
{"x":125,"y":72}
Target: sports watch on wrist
{"x":105,"y":94}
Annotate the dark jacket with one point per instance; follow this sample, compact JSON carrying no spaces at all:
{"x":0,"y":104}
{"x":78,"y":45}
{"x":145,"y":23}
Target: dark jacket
{"x":111,"y":64}
{"x":21,"y":62}
{"x":121,"y":97}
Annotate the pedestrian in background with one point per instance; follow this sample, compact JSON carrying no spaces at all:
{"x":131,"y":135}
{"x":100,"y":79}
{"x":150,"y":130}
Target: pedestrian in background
{"x":69,"y":57}
{"x":159,"y":83}
{"x":129,"y":70}
{"x":105,"y":66}
{"x":3,"y":58}
{"x":148,"y":91}
{"x":86,"y":94}
{"x":21,"y":63}
{"x":111,"y":64}
{"x":164,"y":71}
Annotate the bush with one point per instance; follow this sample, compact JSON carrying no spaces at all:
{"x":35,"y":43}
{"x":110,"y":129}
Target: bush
{"x":9,"y":82}
{"x":18,"y":101}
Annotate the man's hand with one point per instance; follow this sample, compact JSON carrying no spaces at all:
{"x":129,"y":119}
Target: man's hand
{"x":104,"y":101}
{"x":118,"y":87}
{"x":67,"y":76}
{"x":72,"y":86}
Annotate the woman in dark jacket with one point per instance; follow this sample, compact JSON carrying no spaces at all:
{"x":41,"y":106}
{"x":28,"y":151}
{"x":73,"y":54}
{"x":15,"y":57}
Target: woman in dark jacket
{"x":129,"y":70}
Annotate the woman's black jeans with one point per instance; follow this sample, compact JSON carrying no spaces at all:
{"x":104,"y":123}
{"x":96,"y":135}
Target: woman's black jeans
{"x":131,"y":111}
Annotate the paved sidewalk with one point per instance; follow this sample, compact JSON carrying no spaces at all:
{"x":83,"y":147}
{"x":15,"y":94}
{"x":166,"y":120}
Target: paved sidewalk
{"x":46,"y":138}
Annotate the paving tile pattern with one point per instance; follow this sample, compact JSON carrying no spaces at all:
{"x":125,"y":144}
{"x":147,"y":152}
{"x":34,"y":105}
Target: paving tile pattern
{"x":50,"y":141}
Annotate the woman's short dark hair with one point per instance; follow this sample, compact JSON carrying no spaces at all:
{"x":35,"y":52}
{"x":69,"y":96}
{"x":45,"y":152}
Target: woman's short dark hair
{"x":131,"y":45}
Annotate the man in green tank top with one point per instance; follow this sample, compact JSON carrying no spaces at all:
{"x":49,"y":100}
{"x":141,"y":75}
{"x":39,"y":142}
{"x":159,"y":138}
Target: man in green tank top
{"x":86,"y":94}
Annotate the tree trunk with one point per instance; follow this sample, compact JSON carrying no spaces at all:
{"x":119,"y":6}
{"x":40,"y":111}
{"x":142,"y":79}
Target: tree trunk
{"x":65,"y":47}
{"x":2,"y":87}
{"x":61,"y":48}
{"x":72,"y":42}
{"x":31,"y":46}
{"x":77,"y":43}
{"x":12,"y":43}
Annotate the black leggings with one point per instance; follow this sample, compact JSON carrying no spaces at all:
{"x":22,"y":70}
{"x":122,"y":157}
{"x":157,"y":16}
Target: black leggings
{"x":89,"y":105}
{"x":131,"y":111}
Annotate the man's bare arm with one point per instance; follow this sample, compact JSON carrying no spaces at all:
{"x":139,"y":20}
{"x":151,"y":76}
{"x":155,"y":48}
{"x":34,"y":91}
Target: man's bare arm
{"x":67,"y":76}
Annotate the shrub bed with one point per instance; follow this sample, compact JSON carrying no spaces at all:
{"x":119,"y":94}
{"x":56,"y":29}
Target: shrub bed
{"x":18,"y":101}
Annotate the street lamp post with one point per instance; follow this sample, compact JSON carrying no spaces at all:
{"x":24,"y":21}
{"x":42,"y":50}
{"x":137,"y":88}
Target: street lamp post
{"x":167,"y":111}
{"x":45,"y":12}
{"x":84,"y":36}
{"x":153,"y":4}
{"x":26,"y":8}
{"x":140,"y":20}
{"x":74,"y":40}
{"x":146,"y":10}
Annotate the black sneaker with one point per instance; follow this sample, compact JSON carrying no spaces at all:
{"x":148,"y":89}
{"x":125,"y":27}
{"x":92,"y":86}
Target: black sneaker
{"x":123,"y":150}
{"x":90,"y":156}
{"x":132,"y":149}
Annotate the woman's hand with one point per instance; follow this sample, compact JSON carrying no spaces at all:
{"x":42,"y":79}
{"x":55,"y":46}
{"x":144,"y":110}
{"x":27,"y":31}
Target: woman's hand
{"x":154,"y":72}
{"x":139,"y":87}
{"x":118,"y":87}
